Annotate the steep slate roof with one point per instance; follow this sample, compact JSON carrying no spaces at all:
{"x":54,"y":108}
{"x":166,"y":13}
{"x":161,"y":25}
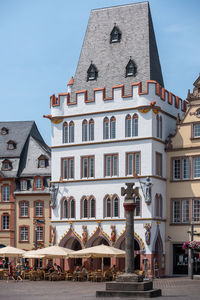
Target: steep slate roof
{"x":137,"y":40}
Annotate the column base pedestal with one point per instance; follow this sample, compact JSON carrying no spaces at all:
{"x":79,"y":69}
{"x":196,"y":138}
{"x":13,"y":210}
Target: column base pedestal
{"x":127,"y":286}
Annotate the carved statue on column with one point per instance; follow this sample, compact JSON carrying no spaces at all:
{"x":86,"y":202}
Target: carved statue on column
{"x":147,"y":226}
{"x":53,"y":235}
{"x":84,"y":234}
{"x":113,"y":233}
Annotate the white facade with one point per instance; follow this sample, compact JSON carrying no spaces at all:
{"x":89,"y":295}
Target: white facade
{"x":146,"y":143}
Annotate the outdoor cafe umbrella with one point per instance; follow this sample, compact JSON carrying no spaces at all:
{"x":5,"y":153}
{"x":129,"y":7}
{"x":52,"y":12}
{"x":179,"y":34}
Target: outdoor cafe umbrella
{"x":54,"y":252}
{"x":32,"y":254}
{"x":98,"y":251}
{"x":11,"y":252}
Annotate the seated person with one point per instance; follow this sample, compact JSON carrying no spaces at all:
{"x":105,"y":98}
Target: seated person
{"x":114,"y":269}
{"x":84,"y":270}
{"x":57,"y":268}
{"x":49,"y":265}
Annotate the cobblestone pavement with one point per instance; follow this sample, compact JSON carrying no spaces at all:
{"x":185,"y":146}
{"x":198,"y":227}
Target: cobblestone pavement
{"x":172,"y":288}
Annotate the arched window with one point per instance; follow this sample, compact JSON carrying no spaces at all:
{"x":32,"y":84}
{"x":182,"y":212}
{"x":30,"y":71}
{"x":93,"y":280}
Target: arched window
{"x":91,"y":130}
{"x":108,"y":207}
{"x":65,"y":133}
{"x":92,"y":208}
{"x":65,"y":209}
{"x":92,"y":72}
{"x":128,"y":126}
{"x":138,"y":208}
{"x":135,"y":125}
{"x":116,"y":207}
{"x":131,"y":68}
{"x":157,"y":126}
{"x":71,"y":132}
{"x":115,"y":35}
{"x":158,"y":206}
{"x":85,"y":208}
{"x":113,"y":128}
{"x":72,"y":209}
{"x":84,"y":130}
{"x":160,"y":127}
{"x":106,"y":128}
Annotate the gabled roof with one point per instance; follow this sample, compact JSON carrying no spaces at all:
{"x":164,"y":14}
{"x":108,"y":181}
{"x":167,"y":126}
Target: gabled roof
{"x":137,"y":40}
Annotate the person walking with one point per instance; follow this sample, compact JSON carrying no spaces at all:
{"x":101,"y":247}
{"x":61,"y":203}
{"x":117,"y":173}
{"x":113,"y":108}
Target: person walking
{"x":10,"y":272}
{"x":18,"y":268}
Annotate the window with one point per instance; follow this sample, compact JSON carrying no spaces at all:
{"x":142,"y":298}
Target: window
{"x":40,"y":235}
{"x":128,"y":126}
{"x":181,"y":168}
{"x":91,"y":130}
{"x":71,"y":132}
{"x":158,"y":206}
{"x":196,"y":210}
{"x":42,"y":163}
{"x":85,"y":208}
{"x":5,"y":193}
{"x":176,"y":211}
{"x":135,"y":125}
{"x":65,"y":209}
{"x":196,"y":130}
{"x":38,"y":183}
{"x":158,"y":164}
{"x":72,"y":208}
{"x":116,"y":207}
{"x":92,"y":72}
{"x":23,"y":234}
{"x":112,"y":128}
{"x":24,"y":209}
{"x":111,"y":206}
{"x":159,"y":126}
{"x":11,"y":145}
{"x":6,"y":165}
{"x":39,"y":209}
{"x":196,"y":167}
{"x":111,"y":165}
{"x":84,"y":131}
{"x":68,"y":168}
{"x":5,"y":222}
{"x":137,"y":209}
{"x":115,"y":35}
{"x":65,"y":133}
{"x":87,"y":163}
{"x":185,"y":211}
{"x":132,"y":163}
{"x":92,"y":208}
{"x":106,"y":128}
{"x":23,"y":185}
{"x":131,"y":69}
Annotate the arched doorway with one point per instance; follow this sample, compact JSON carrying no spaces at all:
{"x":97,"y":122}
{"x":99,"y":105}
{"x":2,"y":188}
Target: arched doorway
{"x":99,"y":241}
{"x":96,"y":262}
{"x":74,"y":244}
{"x":136,"y":254}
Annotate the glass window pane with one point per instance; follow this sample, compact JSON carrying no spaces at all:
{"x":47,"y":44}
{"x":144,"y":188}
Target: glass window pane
{"x":176,"y":212}
{"x":85,"y":208}
{"x":196,"y":210}
{"x":108,"y":165}
{"x":176,"y":169}
{"x":185,"y":211}
{"x":65,"y":168}
{"x":135,"y":126}
{"x":137,"y":163}
{"x":130,"y":164}
{"x":137,"y":209}
{"x":115,"y":165}
{"x":196,"y":166}
{"x":116,"y":207}
{"x":71,"y":170}
{"x":72,"y":208}
{"x":186,"y":168}
{"x":6,"y":193}
{"x":65,"y":212}
{"x":85,"y":167}
{"x":91,"y":131}
{"x":113,"y":133}
{"x":91,"y":159}
{"x":196,"y":130}
{"x":92,"y":204}
{"x":65,"y":134}
{"x":108,"y":207}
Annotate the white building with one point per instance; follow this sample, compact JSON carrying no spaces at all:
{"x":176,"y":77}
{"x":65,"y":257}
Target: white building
{"x":110,"y":128}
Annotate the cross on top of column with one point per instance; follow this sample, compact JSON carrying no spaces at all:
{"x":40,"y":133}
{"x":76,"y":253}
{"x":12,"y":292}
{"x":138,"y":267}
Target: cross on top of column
{"x":130,"y":193}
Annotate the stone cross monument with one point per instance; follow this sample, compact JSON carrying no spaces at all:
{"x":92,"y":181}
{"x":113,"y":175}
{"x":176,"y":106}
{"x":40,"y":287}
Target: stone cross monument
{"x":130,"y":194}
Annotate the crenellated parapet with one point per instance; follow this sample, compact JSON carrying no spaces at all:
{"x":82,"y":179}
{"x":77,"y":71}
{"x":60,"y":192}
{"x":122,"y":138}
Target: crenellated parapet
{"x":136,"y":88}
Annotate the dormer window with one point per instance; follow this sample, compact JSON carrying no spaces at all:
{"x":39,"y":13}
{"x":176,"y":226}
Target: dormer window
{"x":6,"y":165}
{"x":115,"y":36}
{"x":42,"y":161}
{"x":131,"y":68}
{"x":11,"y":145}
{"x":23,"y":185}
{"x":92,"y":73}
{"x":38,"y":184}
{"x":4,"y":131}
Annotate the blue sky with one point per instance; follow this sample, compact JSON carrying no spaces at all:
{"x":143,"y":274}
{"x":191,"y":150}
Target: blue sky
{"x":41,"y":41}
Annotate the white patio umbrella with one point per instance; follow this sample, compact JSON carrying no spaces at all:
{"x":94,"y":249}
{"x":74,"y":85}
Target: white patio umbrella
{"x":54,"y":252}
{"x":11,"y":252}
{"x":98,"y":251}
{"x":32,"y":254}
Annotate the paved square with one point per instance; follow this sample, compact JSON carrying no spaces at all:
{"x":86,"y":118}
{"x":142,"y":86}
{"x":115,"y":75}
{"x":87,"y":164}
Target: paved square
{"x":172,"y":288}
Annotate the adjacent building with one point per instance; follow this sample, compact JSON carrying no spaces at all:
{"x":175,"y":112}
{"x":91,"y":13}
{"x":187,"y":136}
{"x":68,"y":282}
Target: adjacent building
{"x":110,"y":128}
{"x":24,"y":186}
{"x":183,"y":187}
